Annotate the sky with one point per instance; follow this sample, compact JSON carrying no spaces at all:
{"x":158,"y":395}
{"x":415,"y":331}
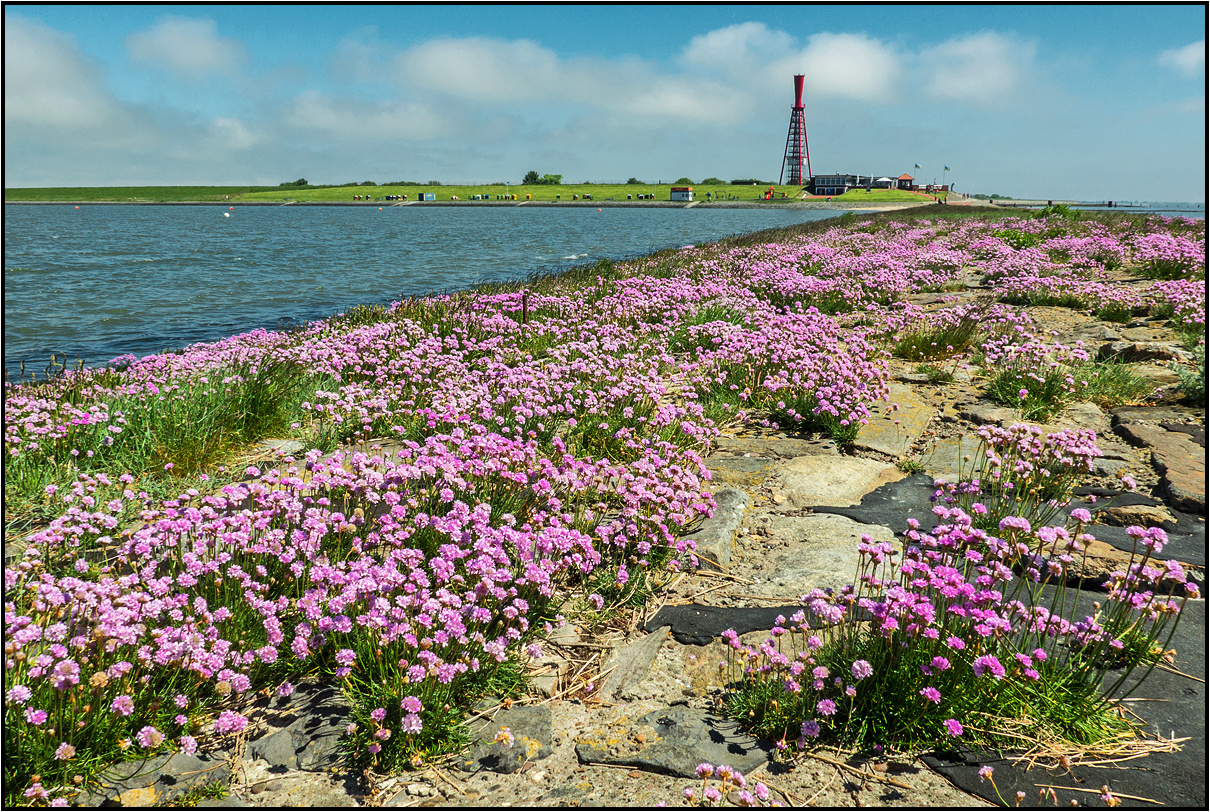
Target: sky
{"x":1086,"y":102}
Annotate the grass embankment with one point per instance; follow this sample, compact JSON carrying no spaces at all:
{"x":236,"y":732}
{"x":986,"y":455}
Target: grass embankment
{"x":131,"y":194}
{"x":491,"y":192}
{"x":549,"y":437}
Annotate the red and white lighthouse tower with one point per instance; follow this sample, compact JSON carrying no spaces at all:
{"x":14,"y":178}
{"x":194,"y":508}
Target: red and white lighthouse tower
{"x":797,"y":154}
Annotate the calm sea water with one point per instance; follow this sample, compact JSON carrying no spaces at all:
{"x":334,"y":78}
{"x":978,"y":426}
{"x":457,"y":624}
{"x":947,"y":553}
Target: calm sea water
{"x":101,"y":281}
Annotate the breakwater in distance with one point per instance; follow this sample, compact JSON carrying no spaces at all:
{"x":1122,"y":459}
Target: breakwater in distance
{"x":104,"y":280}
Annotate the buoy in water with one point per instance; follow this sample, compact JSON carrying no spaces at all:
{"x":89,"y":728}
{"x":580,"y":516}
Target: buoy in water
{"x":226,"y":214}
{"x":77,"y":207}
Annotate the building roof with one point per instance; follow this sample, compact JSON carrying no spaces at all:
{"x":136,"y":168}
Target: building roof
{"x":905,"y":176}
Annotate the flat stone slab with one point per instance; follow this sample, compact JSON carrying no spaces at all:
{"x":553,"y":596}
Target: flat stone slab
{"x":713,"y":541}
{"x":838,"y":481}
{"x":530,"y":727}
{"x":894,"y":432}
{"x":1195,"y":432}
{"x":1132,"y":352}
{"x":1164,"y":414}
{"x":746,"y":472}
{"x":774,"y":448}
{"x":1083,"y":415}
{"x":697,"y":624}
{"x":317,"y":733}
{"x":987,"y":413}
{"x":630,"y":664}
{"x":891,"y":505}
{"x":684,"y":738}
{"x":1180,"y":461}
{"x":949,"y":459}
{"x":802,"y":553}
{"x":1186,"y":539}
{"x":154,"y":781}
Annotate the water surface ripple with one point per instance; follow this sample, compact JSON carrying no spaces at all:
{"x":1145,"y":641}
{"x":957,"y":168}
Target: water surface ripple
{"x":100,"y":281}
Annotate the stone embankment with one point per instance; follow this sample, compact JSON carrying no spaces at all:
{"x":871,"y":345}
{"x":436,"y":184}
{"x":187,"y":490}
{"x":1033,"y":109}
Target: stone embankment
{"x":621,"y":715}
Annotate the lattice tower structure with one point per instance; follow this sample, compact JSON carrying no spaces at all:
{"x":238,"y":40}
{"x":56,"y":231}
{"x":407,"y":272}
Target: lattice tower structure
{"x":797,"y":154}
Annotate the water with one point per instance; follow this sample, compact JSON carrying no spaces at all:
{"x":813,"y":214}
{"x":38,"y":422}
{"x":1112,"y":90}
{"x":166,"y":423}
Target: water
{"x":101,"y":281}
{"x":1190,"y":210}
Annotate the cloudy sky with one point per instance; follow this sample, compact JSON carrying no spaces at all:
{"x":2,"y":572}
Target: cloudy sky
{"x":1086,"y":102}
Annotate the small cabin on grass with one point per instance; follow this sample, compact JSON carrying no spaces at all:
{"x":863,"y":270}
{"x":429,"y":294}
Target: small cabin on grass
{"x":682,"y":193}
{"x":906,"y":182}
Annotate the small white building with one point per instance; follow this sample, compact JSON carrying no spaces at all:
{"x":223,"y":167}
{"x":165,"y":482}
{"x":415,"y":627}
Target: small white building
{"x":684,"y":193}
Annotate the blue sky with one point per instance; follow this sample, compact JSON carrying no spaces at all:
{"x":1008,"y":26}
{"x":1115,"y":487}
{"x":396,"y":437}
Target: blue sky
{"x":1081,"y":101}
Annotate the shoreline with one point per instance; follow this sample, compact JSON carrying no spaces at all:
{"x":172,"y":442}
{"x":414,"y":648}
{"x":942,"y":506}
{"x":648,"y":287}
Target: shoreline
{"x":589,"y":204}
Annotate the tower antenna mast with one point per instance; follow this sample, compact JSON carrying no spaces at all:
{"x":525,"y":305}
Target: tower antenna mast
{"x":797,"y":152}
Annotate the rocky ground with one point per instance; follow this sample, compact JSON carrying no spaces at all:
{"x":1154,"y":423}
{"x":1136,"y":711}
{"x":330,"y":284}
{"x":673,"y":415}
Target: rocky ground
{"x":620,"y":715}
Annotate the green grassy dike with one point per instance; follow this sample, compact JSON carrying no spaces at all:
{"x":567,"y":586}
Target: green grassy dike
{"x":563,"y":193}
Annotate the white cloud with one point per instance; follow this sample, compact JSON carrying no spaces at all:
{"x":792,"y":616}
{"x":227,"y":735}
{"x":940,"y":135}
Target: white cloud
{"x":356,"y":120}
{"x":493,"y":72}
{"x":188,"y":48}
{"x":848,"y":65}
{"x":486,"y":70}
{"x":736,"y":48}
{"x":1190,"y":60}
{"x":48,"y":82}
{"x":985,"y":67}
{"x":232,"y":133}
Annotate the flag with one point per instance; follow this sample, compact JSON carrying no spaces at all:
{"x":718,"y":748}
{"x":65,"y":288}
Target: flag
{"x":917,"y":166}
{"x":947,"y":169}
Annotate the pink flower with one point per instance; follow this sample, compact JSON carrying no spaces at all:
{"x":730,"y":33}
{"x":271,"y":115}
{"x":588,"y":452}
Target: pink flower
{"x":826,"y":707}
{"x":188,"y":745}
{"x":931,"y":694}
{"x":149,"y":737}
{"x":988,"y":664}
{"x":64,"y":751}
{"x":229,"y":722}
{"x":411,"y":724}
{"x":862,"y":669}
{"x":35,"y":717}
{"x":122,"y":705}
{"x":953,"y":727}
